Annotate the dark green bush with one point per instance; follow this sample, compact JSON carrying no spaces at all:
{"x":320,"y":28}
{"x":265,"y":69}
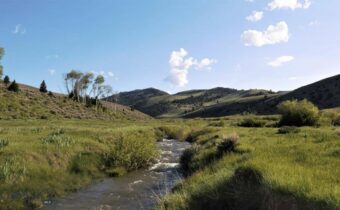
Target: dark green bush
{"x":288,"y":129}
{"x":7,"y":80}
{"x":252,"y":122}
{"x":228,"y":143}
{"x":14,"y":87}
{"x":298,"y":113}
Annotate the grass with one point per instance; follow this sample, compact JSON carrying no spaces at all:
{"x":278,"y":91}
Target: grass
{"x":262,"y":169}
{"x":267,"y":170}
{"x":42,"y":159}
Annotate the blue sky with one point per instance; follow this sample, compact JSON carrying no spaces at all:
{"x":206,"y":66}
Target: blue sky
{"x":172,"y":45}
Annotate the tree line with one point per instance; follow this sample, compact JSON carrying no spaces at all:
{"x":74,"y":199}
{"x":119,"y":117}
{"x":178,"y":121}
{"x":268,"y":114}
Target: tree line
{"x":82,"y":87}
{"x":86,"y":87}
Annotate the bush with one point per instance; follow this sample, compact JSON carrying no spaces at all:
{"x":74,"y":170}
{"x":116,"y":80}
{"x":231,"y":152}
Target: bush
{"x":14,"y":87}
{"x":7,"y":80}
{"x":298,"y":113}
{"x":252,"y":122}
{"x":336,"y":121}
{"x":288,"y":129}
{"x":228,"y":143}
{"x":50,"y":94}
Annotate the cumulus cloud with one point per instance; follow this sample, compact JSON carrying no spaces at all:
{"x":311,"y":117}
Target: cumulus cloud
{"x":180,"y":65}
{"x":255,"y":16}
{"x":289,"y":4}
{"x":274,"y":34}
{"x":19,"y":29}
{"x":280,"y":61}
{"x":205,"y":63}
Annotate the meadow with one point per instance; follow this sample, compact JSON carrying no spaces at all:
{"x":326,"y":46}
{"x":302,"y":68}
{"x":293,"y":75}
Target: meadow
{"x":44,"y":159}
{"x":269,"y":168}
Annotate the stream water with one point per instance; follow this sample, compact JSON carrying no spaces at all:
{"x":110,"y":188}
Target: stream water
{"x":136,"y":190}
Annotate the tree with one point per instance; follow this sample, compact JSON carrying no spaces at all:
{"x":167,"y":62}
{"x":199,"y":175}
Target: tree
{"x":14,"y":87}
{"x":2,"y":52}
{"x":72,"y":83}
{"x":43,"y":87}
{"x":7,"y":80}
{"x":97,"y":87}
{"x":84,"y":84}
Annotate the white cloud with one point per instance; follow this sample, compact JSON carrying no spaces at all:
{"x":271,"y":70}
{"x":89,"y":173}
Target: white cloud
{"x":280,"y":61}
{"x":289,"y":4}
{"x":19,"y":29}
{"x":51,"y":71}
{"x":180,"y":65}
{"x":250,"y":1}
{"x":205,"y":63}
{"x":273,"y":35}
{"x":255,"y":16}
{"x":110,"y":74}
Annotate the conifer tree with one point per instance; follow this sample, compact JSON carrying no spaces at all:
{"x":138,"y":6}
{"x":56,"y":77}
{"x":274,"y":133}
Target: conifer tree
{"x":14,"y":87}
{"x":43,"y":87}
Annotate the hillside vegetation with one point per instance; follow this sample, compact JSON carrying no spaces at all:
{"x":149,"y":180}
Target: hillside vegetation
{"x":30,"y":103}
{"x":225,"y":101}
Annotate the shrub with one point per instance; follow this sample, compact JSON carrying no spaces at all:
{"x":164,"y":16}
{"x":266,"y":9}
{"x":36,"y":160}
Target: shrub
{"x":228,"y":143}
{"x":43,"y":87}
{"x":251,"y":121}
{"x":14,"y":87}
{"x":7,"y":80}
{"x":288,"y":129}
{"x":298,"y":113}
{"x":50,"y":94}
{"x":336,"y":121}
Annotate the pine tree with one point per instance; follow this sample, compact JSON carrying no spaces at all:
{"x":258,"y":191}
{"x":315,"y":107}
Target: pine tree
{"x":43,"y":87}
{"x":7,"y":80}
{"x":14,"y":87}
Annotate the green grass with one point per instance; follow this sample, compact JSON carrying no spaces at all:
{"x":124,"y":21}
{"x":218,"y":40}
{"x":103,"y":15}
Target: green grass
{"x":267,"y":171}
{"x":42,"y":159}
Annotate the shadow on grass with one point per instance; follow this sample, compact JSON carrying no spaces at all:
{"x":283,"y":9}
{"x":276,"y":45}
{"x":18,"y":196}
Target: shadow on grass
{"x":246,"y":190}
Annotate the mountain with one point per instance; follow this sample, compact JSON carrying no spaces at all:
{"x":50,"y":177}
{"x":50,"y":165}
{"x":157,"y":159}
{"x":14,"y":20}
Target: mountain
{"x":30,"y":103}
{"x":226,"y":101}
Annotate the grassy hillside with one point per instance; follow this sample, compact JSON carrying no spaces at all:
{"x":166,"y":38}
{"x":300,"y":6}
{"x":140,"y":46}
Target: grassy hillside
{"x":225,"y":101}
{"x":30,"y":103}
{"x":183,"y":103}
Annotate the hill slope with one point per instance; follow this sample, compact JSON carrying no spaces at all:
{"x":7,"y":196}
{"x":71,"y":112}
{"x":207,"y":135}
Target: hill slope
{"x":29,"y":103}
{"x":225,"y":101}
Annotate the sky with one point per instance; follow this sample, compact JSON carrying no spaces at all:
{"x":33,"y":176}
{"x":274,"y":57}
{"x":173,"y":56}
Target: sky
{"x":172,"y":45}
